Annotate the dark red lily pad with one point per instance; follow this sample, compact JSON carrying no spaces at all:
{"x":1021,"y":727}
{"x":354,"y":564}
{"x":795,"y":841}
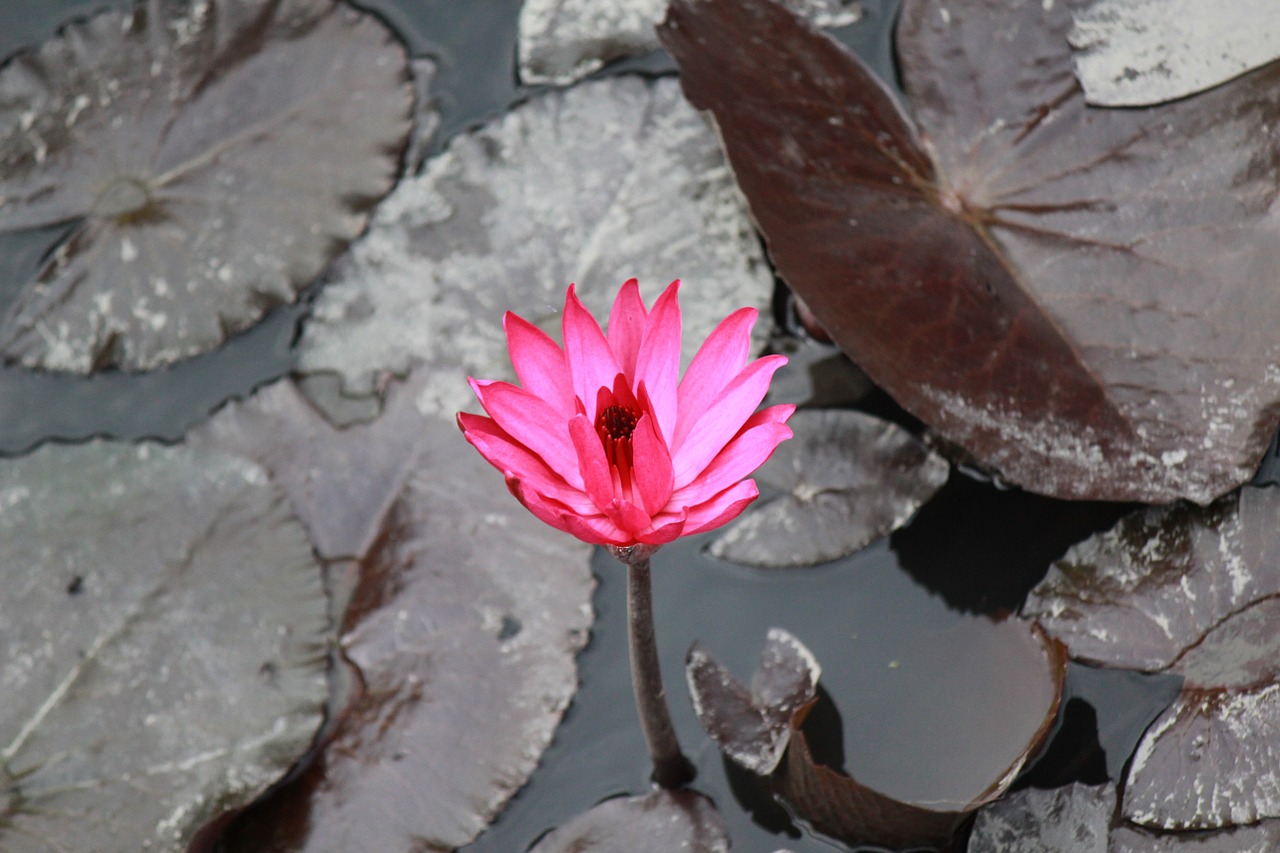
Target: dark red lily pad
{"x":1073,"y":819}
{"x":846,"y":478}
{"x":1078,"y":297}
{"x":1193,"y":592}
{"x":163,"y":645}
{"x":213,"y":159}
{"x":464,"y":621}
{"x":659,"y":822}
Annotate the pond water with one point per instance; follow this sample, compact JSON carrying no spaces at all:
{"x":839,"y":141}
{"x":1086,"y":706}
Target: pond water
{"x":902,"y":628}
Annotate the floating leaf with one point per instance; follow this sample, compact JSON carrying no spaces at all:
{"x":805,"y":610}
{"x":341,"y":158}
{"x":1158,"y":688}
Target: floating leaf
{"x":1080,"y":298}
{"x":1133,"y":53}
{"x":214,"y":157}
{"x":611,"y":180}
{"x":1193,"y":592}
{"x":753,"y":726}
{"x":846,"y":479}
{"x":659,"y":822}
{"x":163,"y":637}
{"x":464,"y":624}
{"x":565,"y":40}
{"x":1244,"y":839}
{"x":1074,"y":819}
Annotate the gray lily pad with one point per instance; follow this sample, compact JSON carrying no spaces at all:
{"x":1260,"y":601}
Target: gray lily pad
{"x":562,"y":41}
{"x":1132,"y":53}
{"x":1189,"y":591}
{"x":466,"y":614}
{"x":659,"y":822}
{"x":163,"y":639}
{"x":1242,"y":839}
{"x":214,"y":157}
{"x":846,"y":478}
{"x":611,"y":180}
{"x":1076,"y":818}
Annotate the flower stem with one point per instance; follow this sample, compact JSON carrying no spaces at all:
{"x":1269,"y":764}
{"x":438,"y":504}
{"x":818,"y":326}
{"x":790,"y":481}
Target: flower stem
{"x":670,"y":768}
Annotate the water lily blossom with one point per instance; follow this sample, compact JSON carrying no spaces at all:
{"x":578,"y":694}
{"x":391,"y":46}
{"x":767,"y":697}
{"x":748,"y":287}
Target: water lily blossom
{"x":604,"y":440}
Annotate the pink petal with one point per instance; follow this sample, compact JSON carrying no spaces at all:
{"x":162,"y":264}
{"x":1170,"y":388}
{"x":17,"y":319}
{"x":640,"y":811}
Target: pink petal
{"x":723,"y":418}
{"x":723,"y":508}
{"x":626,"y":326}
{"x":651,"y":471}
{"x":530,"y":421}
{"x":665,"y":533}
{"x":597,"y":530}
{"x":745,"y":453}
{"x":539,"y":362}
{"x":543,"y":509}
{"x":630,"y":518}
{"x":658,"y":363}
{"x":592,"y":462}
{"x":720,"y":358}
{"x":516,"y":461}
{"x":591,"y":361}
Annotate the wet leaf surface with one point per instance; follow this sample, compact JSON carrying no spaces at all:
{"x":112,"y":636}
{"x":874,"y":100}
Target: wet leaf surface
{"x":1075,"y":818}
{"x":565,"y":40}
{"x":1057,"y":289}
{"x":659,"y":822}
{"x":1244,"y":839}
{"x":214,"y":159}
{"x":846,"y":478}
{"x":752,"y":724}
{"x":613,"y":179}
{"x":1193,"y":592}
{"x":1139,"y":52}
{"x":464,"y":621}
{"x":163,"y":638}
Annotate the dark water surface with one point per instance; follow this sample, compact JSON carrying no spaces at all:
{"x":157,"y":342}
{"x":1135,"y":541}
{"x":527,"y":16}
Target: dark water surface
{"x":902,"y":628}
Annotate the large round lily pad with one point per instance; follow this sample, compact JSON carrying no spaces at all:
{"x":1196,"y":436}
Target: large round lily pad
{"x":163,"y":645}
{"x":611,"y":180}
{"x":213,"y":156}
{"x":659,"y":822}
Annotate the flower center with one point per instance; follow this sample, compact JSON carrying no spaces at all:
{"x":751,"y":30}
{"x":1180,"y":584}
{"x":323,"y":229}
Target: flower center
{"x":615,"y":424}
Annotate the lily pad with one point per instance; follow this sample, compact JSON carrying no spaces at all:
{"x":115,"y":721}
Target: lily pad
{"x":1132,"y":53}
{"x":163,"y":645}
{"x":846,"y":479}
{"x":1069,"y":294}
{"x":464,"y":621}
{"x":611,"y":180}
{"x":1076,"y":818}
{"x":213,"y":157}
{"x":562,"y":41}
{"x":1189,"y":591}
{"x":659,"y":822}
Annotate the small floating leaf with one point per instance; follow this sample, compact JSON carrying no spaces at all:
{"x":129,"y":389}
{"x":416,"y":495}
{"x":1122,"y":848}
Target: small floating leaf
{"x":163,"y":639}
{"x":660,"y":822}
{"x":846,"y":479}
{"x":1132,"y":53}
{"x":215,"y":156}
{"x":1065,"y":292}
{"x":1074,"y":819}
{"x":1189,"y":591}
{"x":614,"y":179}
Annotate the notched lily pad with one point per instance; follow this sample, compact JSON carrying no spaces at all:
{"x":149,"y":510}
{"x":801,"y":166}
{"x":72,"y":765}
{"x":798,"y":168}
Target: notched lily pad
{"x":163,"y":645}
{"x":1193,"y":592}
{"x":613,"y":179}
{"x":753,"y":726}
{"x":1076,"y":818}
{"x":565,"y":40}
{"x":659,"y":822}
{"x":1132,"y":53}
{"x":846,"y":478}
{"x":464,"y":624}
{"x":214,"y":157}
{"x":1060,"y":290}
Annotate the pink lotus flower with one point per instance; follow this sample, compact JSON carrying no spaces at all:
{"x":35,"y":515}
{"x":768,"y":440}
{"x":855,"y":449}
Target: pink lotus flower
{"x":605,"y":441}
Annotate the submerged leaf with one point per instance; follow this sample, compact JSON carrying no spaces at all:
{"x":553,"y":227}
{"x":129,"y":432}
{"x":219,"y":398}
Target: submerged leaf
{"x":565,"y":40}
{"x":163,"y":638}
{"x":1078,"y":297}
{"x":846,"y":479}
{"x":613,"y":179}
{"x":214,"y":158}
{"x":464,"y":623}
{"x":1074,"y":819}
{"x":1132,"y":53}
{"x":660,"y":822}
{"x":1193,"y":592}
